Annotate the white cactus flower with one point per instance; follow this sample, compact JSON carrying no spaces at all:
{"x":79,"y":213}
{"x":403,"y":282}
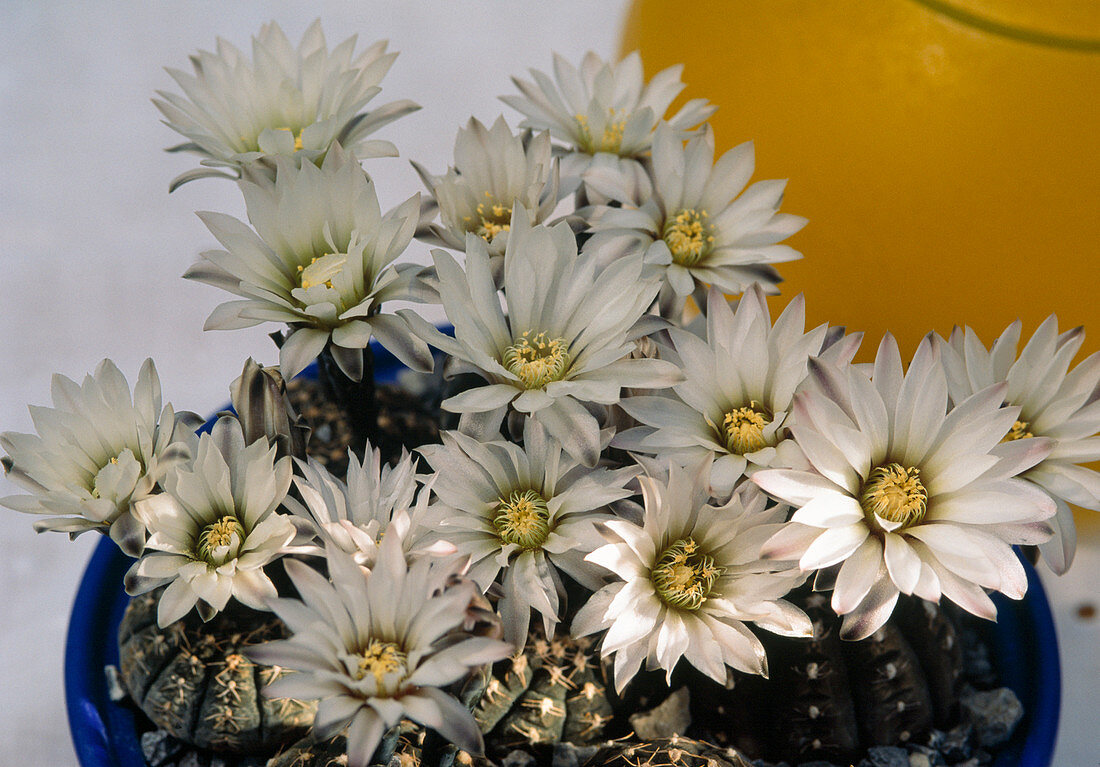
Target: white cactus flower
{"x":564,"y":340}
{"x":1054,"y":402}
{"x":351,"y":516}
{"x":377,"y":646}
{"x":98,"y":451}
{"x":321,"y":260}
{"x":493,"y":170}
{"x":692,"y":578}
{"x":527,"y":511}
{"x":701,"y":225}
{"x":286,"y":102}
{"x":215,"y":528}
{"x":735,"y":402}
{"x":605,"y":113}
{"x":906,"y":497}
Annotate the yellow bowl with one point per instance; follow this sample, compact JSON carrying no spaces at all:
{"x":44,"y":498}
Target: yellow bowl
{"x":945,"y":151}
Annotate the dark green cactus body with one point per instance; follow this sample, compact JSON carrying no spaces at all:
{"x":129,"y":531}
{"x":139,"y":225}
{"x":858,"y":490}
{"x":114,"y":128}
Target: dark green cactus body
{"x":193,"y":680}
{"x":668,"y":752}
{"x":830,"y":700}
{"x":553,"y":692}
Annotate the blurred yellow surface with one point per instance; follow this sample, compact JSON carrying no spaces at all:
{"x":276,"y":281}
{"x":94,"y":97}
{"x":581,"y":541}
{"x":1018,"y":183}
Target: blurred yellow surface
{"x":945,"y":151}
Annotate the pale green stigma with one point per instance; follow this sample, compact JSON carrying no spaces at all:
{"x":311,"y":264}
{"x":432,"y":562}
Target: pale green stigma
{"x":684,"y":576}
{"x":522,"y":519}
{"x":537,"y":359}
{"x":380,"y":659}
{"x":743,"y":428}
{"x":894,"y":493}
{"x":220,"y":541}
{"x":689,"y":236}
{"x":610,"y":140}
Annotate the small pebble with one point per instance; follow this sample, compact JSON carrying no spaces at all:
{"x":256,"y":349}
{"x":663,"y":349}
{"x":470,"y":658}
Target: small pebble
{"x":994,"y":714}
{"x":568,"y":755}
{"x":955,"y":746}
{"x":923,"y":756}
{"x":887,"y":756}
{"x":158,"y":747}
{"x":517,"y":758}
{"x":192,"y":759}
{"x":671,"y":717}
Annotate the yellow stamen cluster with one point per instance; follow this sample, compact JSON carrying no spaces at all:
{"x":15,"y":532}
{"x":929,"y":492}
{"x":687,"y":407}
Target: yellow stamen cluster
{"x":492,"y":218}
{"x":611,"y":140}
{"x":297,"y":134}
{"x":743,"y":428}
{"x":219,"y":542}
{"x":684,"y":576}
{"x":536,"y":359}
{"x":309,"y":277}
{"x":380,"y":659}
{"x":1019,"y":430}
{"x":522,"y":519}
{"x":689,"y":236}
{"x":894,"y":493}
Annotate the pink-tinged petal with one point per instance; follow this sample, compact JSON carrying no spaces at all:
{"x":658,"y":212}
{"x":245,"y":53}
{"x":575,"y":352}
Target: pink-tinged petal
{"x":857,"y":575}
{"x":967,"y":552}
{"x":790,"y":543}
{"x":1075,"y":484}
{"x":301,"y":348}
{"x":618,"y":559}
{"x":176,"y":601}
{"x":902,"y":563}
{"x":872,"y":612}
{"x":832,"y":546}
{"x":672,"y":640}
{"x":966,"y":594}
{"x":991,"y":506}
{"x":436,"y":709}
{"x":335,"y":713}
{"x":928,"y":585}
{"x":1058,"y":551}
{"x":589,"y":619}
{"x":364,"y":735}
{"x":921,"y":407}
{"x":639,"y":541}
{"x":572,"y":425}
{"x":888,"y":372}
{"x":829,"y":510}
{"x":794,"y":487}
{"x":826,"y":457}
{"x":959,"y":474}
{"x":481,"y":399}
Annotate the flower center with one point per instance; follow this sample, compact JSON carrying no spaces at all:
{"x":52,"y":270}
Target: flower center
{"x":743,"y":428}
{"x":492,"y":219}
{"x":610,"y":140}
{"x":1019,"y":430}
{"x":684,"y":576}
{"x":297,"y":134}
{"x":220,"y":542}
{"x":894,"y":493}
{"x":321,"y":270}
{"x":537,"y":359}
{"x":381,"y":659}
{"x":689,"y":236}
{"x":523,"y":519}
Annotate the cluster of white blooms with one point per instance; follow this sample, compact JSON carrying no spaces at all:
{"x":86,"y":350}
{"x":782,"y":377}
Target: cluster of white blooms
{"x":639,"y":455}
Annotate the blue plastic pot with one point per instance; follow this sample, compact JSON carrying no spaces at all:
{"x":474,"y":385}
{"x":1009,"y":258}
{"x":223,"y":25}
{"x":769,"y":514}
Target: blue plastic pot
{"x":105,"y":735}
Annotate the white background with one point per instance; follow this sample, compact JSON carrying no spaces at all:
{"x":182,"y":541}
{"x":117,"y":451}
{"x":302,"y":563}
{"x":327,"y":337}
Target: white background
{"x":92,"y":246}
